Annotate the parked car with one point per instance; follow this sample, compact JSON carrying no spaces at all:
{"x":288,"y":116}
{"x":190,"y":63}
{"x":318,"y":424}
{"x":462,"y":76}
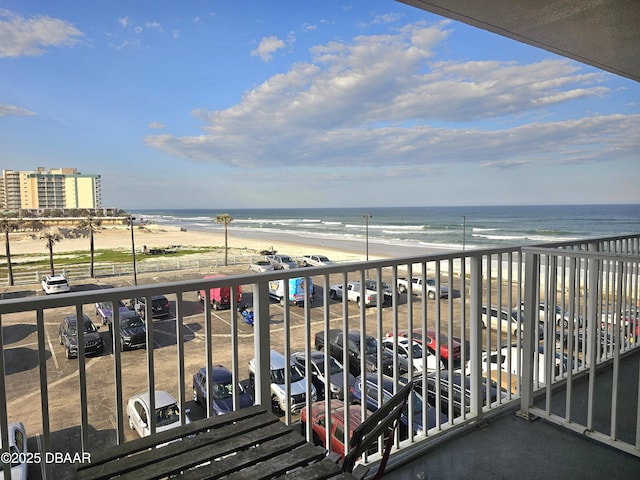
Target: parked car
{"x":509,"y":359}
{"x":318,"y":377}
{"x":220,"y":297}
{"x":222,"y":388}
{"x":354,"y":294}
{"x":55,"y":284}
{"x":316,"y":261}
{"x":17,"y":451}
{"x":560,"y":317}
{"x":365,"y":389}
{"x":319,"y":421}
{"x":436,"y":342}
{"x":160,"y":306}
{"x":167,"y":412}
{"x":452,"y":388}
{"x":282,"y":262}
{"x":259,"y":266}
{"x":404,"y":345}
{"x":132,"y":332}
{"x":298,"y":386}
{"x":335,"y":342}
{"x":105,"y":310}
{"x":68,"y":336}
{"x":629,"y":320}
{"x":385,"y":289}
{"x":511,"y":323}
{"x":415,"y":284}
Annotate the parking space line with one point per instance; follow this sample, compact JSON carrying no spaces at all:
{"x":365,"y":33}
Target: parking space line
{"x":53,"y":353}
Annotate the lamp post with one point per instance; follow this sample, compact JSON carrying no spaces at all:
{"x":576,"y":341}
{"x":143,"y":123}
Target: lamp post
{"x":130,"y":220}
{"x":366,"y":233}
{"x":464,"y":231}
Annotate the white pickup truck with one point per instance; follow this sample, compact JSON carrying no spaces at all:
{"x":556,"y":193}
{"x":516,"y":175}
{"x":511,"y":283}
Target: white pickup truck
{"x":354,"y":294}
{"x":415,"y":286}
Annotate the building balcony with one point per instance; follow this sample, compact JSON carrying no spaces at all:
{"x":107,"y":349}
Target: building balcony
{"x":562,"y":345}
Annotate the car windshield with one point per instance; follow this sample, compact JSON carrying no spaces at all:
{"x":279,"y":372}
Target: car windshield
{"x":323,"y":259}
{"x":370,"y":346}
{"x":373,"y":285}
{"x":132,"y":322}
{"x":417,"y":350}
{"x":286,"y":259}
{"x":89,"y":327}
{"x":167,"y":415}
{"x":334,"y":366}
{"x":222,"y":390}
{"x":57,"y":282}
{"x":278,"y":375}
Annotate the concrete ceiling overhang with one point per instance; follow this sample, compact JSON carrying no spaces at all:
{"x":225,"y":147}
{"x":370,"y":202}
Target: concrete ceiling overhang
{"x":601,"y":33}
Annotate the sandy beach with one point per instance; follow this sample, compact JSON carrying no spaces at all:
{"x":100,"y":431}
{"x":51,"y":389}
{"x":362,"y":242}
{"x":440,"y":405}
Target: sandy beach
{"x":153,"y":236}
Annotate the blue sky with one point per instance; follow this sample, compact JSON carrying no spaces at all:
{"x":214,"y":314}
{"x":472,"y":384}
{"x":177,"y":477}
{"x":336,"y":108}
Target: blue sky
{"x":195,"y":104}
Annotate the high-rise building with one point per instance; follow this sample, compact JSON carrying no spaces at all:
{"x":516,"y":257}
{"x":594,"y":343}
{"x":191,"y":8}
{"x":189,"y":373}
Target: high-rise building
{"x":59,"y":188}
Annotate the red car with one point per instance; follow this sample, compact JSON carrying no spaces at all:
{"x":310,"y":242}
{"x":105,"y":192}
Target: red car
{"x":433,"y":343}
{"x":319,"y":422}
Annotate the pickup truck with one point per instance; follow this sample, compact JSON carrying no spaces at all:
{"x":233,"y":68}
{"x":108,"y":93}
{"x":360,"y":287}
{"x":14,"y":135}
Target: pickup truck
{"x":354,"y":294}
{"x":334,"y":346}
{"x":415,"y":286}
{"x":315,"y":261}
{"x":281,"y":262}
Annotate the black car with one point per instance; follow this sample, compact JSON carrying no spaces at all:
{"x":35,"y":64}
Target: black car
{"x":133,"y":333}
{"x":452,"y":387}
{"x":68,"y":335}
{"x":318,"y":377}
{"x":160,"y":306}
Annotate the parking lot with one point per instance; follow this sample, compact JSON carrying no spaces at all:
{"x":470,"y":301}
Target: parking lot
{"x":21,"y":358}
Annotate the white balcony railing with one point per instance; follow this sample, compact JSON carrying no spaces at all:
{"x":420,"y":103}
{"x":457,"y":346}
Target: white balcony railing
{"x":71,"y":406}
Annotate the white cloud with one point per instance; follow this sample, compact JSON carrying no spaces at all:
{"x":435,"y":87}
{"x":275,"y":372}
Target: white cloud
{"x":382,"y":104}
{"x":124,"y":22}
{"x":12,"y":110}
{"x":22,"y":36}
{"x":156,"y":125}
{"x":268,"y":46}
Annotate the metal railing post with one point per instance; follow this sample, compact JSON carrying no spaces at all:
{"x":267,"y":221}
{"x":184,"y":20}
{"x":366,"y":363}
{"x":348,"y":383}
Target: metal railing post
{"x":261,"y":343}
{"x":475,"y":333}
{"x":531,"y":281}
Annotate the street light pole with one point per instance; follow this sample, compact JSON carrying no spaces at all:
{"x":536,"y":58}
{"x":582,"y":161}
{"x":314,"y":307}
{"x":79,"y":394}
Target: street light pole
{"x":366,"y":233}
{"x":133,"y":250}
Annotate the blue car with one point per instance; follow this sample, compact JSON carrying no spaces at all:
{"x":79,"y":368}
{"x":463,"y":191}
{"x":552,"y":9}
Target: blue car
{"x":222,"y":390}
{"x":370,"y":386}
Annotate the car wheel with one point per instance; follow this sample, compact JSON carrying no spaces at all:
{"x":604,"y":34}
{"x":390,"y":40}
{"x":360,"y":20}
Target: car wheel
{"x":131,"y":425}
{"x":122,"y":347}
{"x":333,"y":295}
{"x":67,"y":353}
{"x":216,"y":306}
{"x":195,"y":396}
{"x":282,"y":301}
{"x":305,"y":264}
{"x":200,"y":297}
{"x":276,"y":404}
{"x":60,"y":338}
{"x":565,"y":324}
{"x":358,"y":301}
{"x":402,"y":289}
{"x":432,"y":295}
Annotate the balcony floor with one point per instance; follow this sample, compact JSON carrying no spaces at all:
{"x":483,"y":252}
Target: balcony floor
{"x":507,"y":446}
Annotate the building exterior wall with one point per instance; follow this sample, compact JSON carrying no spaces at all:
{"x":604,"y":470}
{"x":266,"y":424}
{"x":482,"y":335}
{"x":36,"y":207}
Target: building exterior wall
{"x":57,"y":188}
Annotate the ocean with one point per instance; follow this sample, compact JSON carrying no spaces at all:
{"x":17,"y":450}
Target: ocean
{"x":410,"y":230}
